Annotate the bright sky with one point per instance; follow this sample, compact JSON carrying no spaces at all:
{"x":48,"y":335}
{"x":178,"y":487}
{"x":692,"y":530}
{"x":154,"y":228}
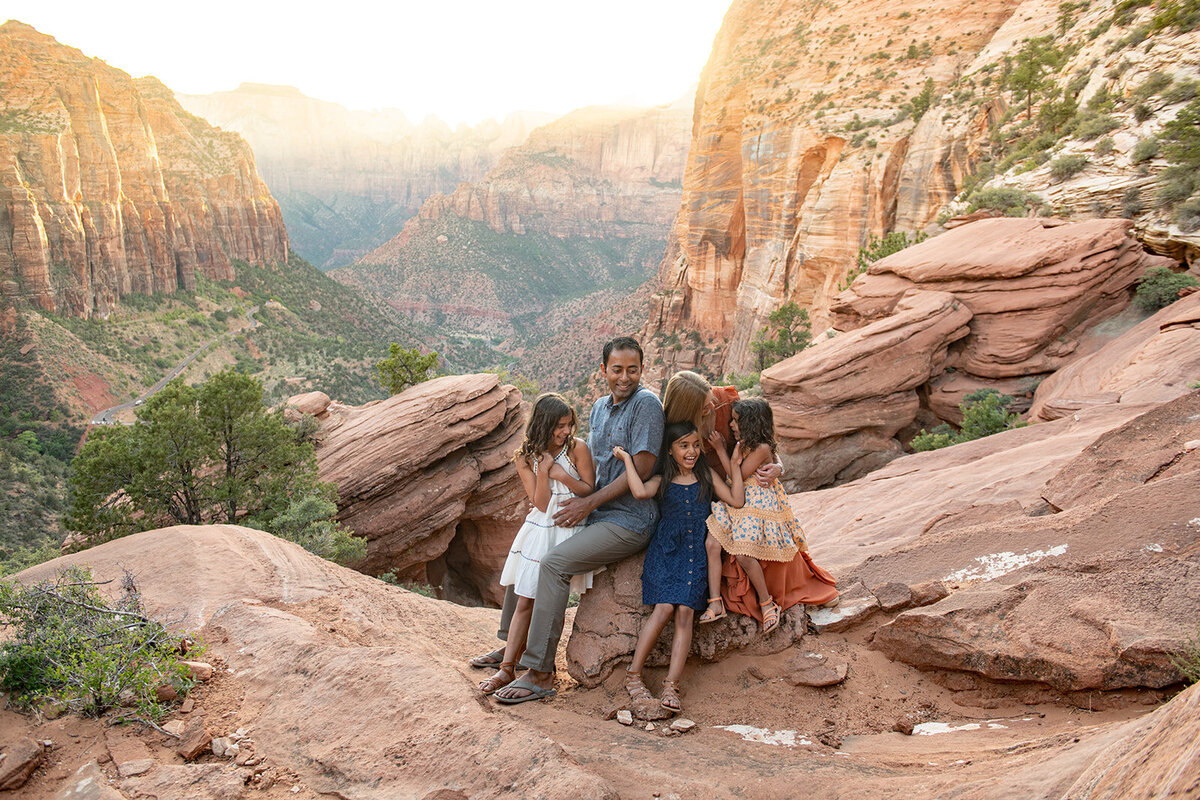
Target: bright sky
{"x":463,"y":61}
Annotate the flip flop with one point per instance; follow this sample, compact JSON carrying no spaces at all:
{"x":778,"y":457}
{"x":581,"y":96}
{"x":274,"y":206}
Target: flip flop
{"x":535,"y":693}
{"x":488,"y":660}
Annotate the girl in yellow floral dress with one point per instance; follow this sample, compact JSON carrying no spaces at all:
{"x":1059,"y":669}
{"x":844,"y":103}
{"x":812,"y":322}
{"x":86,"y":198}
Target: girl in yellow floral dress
{"x":764,"y":529}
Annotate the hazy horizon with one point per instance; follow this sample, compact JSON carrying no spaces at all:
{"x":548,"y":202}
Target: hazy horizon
{"x":410,"y":57}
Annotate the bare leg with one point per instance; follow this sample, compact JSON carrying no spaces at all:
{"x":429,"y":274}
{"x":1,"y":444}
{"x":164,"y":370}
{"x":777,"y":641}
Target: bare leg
{"x":754,"y":572}
{"x":716,"y":607}
{"x":518,"y":631}
{"x":651,"y":629}
{"x":682,"y":642}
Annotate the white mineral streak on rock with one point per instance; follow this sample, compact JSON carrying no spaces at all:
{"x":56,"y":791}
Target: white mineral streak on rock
{"x":992,"y":566}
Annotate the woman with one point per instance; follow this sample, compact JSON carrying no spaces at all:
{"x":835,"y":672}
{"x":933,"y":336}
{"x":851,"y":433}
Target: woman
{"x":690,"y":397}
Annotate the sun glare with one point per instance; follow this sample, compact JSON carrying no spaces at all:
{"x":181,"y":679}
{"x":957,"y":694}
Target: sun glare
{"x":463,"y":62}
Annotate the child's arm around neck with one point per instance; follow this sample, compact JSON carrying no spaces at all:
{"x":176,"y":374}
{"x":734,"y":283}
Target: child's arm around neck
{"x":642,"y":490}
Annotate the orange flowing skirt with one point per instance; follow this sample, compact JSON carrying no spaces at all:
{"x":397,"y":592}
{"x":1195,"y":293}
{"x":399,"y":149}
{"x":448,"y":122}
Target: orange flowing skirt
{"x":790,"y":583}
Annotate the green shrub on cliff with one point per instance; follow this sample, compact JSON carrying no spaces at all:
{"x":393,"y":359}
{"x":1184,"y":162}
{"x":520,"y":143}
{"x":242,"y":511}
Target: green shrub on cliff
{"x":66,"y":642}
{"x":405,"y":367}
{"x":1159,"y":287}
{"x":985,"y":411}
{"x":787,"y":332}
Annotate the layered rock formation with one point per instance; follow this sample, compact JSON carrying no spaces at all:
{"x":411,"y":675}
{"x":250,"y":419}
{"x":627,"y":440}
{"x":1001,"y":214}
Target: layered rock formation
{"x":426,"y":478}
{"x":353,"y":688}
{"x":819,"y":125}
{"x":998,"y":303}
{"x":347,"y":180}
{"x":345,"y":680}
{"x":110,"y":187}
{"x":1154,"y":362}
{"x":1099,"y":595}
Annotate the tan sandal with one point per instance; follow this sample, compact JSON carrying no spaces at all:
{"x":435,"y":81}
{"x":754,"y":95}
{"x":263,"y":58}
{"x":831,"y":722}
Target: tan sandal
{"x":709,"y":616}
{"x":506,"y":674}
{"x":670,"y":696}
{"x":638,"y":692}
{"x":770,"y":614}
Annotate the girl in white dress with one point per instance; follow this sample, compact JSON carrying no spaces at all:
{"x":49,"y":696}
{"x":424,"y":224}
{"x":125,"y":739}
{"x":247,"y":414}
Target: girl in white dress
{"x":554,"y":466}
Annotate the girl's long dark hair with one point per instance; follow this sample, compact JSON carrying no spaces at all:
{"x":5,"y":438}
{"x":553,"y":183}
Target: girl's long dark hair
{"x":673,"y":432}
{"x":548,"y":409}
{"x":756,"y":424}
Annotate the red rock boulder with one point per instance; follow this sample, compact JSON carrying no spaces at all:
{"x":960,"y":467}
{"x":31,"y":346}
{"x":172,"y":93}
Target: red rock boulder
{"x":426,"y":478}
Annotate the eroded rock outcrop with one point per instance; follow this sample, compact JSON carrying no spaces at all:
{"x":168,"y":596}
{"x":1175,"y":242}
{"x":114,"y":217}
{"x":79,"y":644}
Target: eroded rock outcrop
{"x":348,"y":682}
{"x":611,"y":614}
{"x":1153,"y":362}
{"x":109,"y":187}
{"x":426,"y":478}
{"x":998,"y":303}
{"x":1068,"y":547}
{"x":839,"y":405}
{"x":1032,"y":285}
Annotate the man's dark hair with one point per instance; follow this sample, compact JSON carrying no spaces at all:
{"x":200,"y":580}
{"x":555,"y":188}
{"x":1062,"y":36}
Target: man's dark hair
{"x":622,"y":343}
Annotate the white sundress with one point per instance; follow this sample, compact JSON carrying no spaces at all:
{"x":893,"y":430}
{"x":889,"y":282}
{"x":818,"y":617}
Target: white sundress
{"x":537,"y":535}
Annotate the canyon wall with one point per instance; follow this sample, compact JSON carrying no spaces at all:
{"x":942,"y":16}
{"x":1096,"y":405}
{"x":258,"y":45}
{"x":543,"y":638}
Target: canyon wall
{"x":111,"y":188}
{"x":348,"y":179}
{"x":818,"y":125}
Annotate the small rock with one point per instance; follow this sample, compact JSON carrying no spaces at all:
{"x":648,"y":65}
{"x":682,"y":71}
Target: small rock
{"x":815,"y":669}
{"x":166,"y":693}
{"x":756,"y":673}
{"x":220,"y":745}
{"x":904,"y":725}
{"x":131,"y":756}
{"x":199,"y":670}
{"x":18,"y":760}
{"x":174,"y":727}
{"x":194,"y":740}
{"x":187,"y":705}
{"x":244,"y":758}
{"x":233,"y":751}
{"x":649,"y":726}
{"x":89,"y":783}
{"x":857,"y":604}
{"x":103,"y":757}
{"x":682,"y":725}
{"x":1192,"y":445}
{"x":927,"y":593}
{"x":893,"y":595}
{"x":625,"y":717}
{"x":609,"y":713}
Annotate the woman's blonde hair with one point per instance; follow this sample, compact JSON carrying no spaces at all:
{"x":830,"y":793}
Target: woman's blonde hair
{"x":685,"y":398}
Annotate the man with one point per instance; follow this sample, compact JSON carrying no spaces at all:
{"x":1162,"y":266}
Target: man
{"x":618,"y":524}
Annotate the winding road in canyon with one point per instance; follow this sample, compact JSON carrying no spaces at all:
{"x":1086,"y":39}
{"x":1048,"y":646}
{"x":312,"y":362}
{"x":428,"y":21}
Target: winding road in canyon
{"x":109,"y":415}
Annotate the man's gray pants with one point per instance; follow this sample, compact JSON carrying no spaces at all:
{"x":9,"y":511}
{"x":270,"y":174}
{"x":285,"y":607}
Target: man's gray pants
{"x":593,"y":547}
